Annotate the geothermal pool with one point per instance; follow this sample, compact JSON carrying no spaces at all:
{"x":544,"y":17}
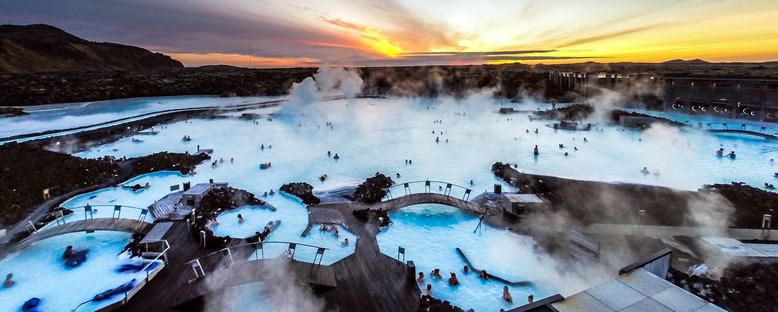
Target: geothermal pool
{"x":39,"y":272}
{"x":379,"y":135}
{"x":430,"y":235}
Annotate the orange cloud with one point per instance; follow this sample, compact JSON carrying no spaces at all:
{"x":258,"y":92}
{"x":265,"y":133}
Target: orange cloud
{"x":242,"y":60}
{"x":373,"y":39}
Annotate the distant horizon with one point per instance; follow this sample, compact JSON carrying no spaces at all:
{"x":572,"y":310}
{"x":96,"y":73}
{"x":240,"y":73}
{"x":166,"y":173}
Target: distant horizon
{"x":277,"y":34}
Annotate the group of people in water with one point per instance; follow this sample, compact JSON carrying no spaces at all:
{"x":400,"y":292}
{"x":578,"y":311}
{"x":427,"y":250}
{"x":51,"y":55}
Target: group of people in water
{"x":454,"y":281}
{"x":335,"y":232}
{"x":336,"y":157}
{"x":720,"y":153}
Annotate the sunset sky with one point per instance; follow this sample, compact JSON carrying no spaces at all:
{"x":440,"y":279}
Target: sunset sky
{"x":255,"y":33}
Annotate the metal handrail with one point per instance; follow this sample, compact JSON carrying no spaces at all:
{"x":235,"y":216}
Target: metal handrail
{"x":60,"y":217}
{"x":228,"y":252}
{"x":428,"y":188}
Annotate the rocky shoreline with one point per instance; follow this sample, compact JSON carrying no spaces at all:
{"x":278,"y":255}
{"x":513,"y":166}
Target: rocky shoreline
{"x":599,"y":202}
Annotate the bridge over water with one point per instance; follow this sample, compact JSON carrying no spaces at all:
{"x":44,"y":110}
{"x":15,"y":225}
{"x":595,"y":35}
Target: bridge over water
{"x":83,"y":219}
{"x":755,"y":129}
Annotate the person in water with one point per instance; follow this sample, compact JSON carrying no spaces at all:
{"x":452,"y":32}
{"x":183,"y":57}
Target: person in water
{"x":68,"y":252}
{"x":429,"y":290}
{"x":482,"y":274}
{"x":453,"y":281}
{"x":530,"y":298}
{"x":506,"y":294}
{"x":535,"y":151}
{"x":421,"y":277}
{"x":240,"y":219}
{"x":466,"y":269}
{"x":731,"y":154}
{"x":720,"y":152}
{"x":436,"y":273}
{"x":9,"y":280}
{"x":345,"y":242}
{"x":336,"y":157}
{"x":644,"y":170}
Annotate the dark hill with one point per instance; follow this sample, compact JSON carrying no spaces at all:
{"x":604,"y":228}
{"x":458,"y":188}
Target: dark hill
{"x":44,"y":48}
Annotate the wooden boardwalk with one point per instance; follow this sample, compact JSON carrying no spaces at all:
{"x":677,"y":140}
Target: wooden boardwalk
{"x":427,"y":198}
{"x":98,"y":224}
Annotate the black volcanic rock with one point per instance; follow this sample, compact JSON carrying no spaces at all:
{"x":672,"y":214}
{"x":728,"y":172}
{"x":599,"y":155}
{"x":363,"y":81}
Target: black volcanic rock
{"x":45,"y":48}
{"x":302,"y":190}
{"x":373,"y":189}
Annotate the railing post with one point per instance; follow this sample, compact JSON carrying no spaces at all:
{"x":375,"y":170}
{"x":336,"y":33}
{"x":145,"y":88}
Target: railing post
{"x":117,"y":208}
{"x":32,"y":225}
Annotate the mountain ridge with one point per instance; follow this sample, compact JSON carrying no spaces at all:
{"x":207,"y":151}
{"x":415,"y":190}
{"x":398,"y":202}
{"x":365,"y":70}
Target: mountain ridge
{"x":45,"y":48}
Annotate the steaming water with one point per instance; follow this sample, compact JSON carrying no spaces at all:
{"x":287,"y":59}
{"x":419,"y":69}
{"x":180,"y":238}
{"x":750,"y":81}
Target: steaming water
{"x":294,"y":219}
{"x":374,"y":135}
{"x":39,"y":272}
{"x":430,"y":235}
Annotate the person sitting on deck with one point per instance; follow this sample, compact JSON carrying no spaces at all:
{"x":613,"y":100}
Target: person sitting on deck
{"x":9,"y":280}
{"x":345,"y":242}
{"x":240,"y":219}
{"x":436,"y":273}
{"x":506,"y":294}
{"x":453,"y":281}
{"x":482,"y":274}
{"x":421,"y":277}
{"x":429,"y":290}
{"x":466,"y":269}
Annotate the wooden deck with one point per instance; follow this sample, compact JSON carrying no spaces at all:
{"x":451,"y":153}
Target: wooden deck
{"x":98,"y":224}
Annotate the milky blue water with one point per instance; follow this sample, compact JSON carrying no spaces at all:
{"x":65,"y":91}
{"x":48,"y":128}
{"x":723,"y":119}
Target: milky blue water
{"x":70,"y":115}
{"x":430,"y":235}
{"x":372,"y":135}
{"x":39,"y":272}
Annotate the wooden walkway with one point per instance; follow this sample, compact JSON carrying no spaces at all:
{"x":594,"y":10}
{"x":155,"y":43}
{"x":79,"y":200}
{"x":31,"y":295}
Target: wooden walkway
{"x":427,"y":198}
{"x":98,"y":224}
{"x":766,"y":136}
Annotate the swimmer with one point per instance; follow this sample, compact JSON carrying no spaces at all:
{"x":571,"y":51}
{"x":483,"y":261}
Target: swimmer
{"x":68,"y":252}
{"x":336,"y":157}
{"x":262,"y":147}
{"x":731,"y":154}
{"x":272,"y":192}
{"x":471,"y":182}
{"x":421,"y":277}
{"x":232,"y":160}
{"x":345,"y":242}
{"x":9,"y":280}
{"x":240,"y":219}
{"x":565,"y":153}
{"x":535,"y":151}
{"x":466,"y":270}
{"x":329,"y":153}
{"x":531,"y":298}
{"x":337,"y":234}
{"x":324,"y":227}
{"x":506,"y":294}
{"x":437,"y":140}
{"x":398,"y":175}
{"x":453,"y":281}
{"x":561,"y":145}
{"x":585,"y":140}
{"x":575,"y":148}
{"x":644,"y":171}
{"x":720,"y":152}
{"x":436,"y":273}
{"x":429,"y":290}
{"x":536,"y":130}
{"x":482,"y":274}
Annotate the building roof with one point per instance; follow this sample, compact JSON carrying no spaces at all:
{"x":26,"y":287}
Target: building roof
{"x":638,"y":290}
{"x":523,"y":198}
{"x":198,"y":189}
